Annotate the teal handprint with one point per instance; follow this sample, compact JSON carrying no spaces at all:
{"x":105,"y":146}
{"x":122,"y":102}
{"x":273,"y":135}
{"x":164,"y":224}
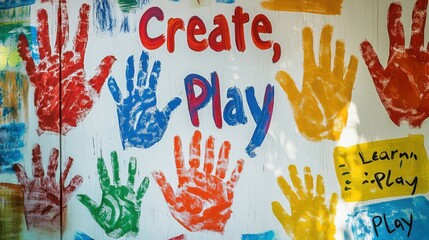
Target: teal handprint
{"x":119,"y":211}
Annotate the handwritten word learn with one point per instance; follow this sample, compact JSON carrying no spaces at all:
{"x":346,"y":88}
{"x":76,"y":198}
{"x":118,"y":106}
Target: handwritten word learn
{"x":219,"y":38}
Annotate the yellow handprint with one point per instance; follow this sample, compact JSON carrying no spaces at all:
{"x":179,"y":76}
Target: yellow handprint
{"x":321,"y":108}
{"x":310,"y":218}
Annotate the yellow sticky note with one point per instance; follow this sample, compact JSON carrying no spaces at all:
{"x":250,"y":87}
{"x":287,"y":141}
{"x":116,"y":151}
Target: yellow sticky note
{"x":380,"y":169}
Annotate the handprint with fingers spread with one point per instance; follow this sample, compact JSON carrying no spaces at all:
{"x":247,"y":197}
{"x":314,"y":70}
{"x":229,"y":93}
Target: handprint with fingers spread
{"x":62,"y":88}
{"x":202,"y":200}
{"x":45,"y":200}
{"x":119,"y":211}
{"x":310,"y":218}
{"x":140,"y":122}
{"x":403,"y":86}
{"x":321,"y":108}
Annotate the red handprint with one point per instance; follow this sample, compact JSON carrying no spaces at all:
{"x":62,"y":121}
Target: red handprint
{"x":62,"y":87}
{"x":203,"y":200}
{"x":403,"y":86}
{"x":45,"y":200}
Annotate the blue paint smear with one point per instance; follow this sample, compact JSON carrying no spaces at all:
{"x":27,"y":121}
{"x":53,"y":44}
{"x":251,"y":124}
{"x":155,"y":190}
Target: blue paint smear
{"x":225,"y":1}
{"x":11,"y":144}
{"x":7,"y":4}
{"x":140,"y":122}
{"x":82,"y":236}
{"x":367,"y":222}
{"x":105,"y":20}
{"x":234,"y":112}
{"x":125,"y":26}
{"x":262,"y":117}
{"x":269,"y":235}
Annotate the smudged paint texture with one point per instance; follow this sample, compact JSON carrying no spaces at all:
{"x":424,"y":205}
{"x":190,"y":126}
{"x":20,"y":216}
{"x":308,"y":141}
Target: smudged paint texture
{"x":105,"y":19}
{"x":368,"y":222}
{"x":43,"y":194}
{"x":203,"y":200}
{"x":403,"y":85}
{"x":380,"y":169}
{"x":12,"y":141}
{"x":13,"y":21}
{"x":81,"y":236}
{"x":13,"y":97}
{"x":11,"y":211}
{"x":180,"y":237}
{"x":326,"y":7}
{"x":321,"y":107}
{"x":7,"y":4}
{"x":140,"y":122}
{"x":77,"y":94}
{"x":119,"y":211}
{"x":269,"y":235}
{"x":309,"y":217}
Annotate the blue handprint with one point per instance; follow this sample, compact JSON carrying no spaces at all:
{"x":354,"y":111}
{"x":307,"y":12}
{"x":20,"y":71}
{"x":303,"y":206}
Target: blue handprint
{"x":140,"y":122}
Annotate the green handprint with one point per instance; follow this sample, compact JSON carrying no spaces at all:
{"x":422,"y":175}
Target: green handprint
{"x":119,"y":211}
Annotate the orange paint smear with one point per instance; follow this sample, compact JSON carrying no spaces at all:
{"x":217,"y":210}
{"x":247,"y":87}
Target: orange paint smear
{"x":325,"y":7}
{"x":14,"y":91}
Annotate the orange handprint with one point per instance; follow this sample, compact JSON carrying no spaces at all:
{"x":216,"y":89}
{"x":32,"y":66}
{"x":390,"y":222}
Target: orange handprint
{"x":403,"y":86}
{"x":321,"y":108}
{"x":310,"y":218}
{"x":203,"y":200}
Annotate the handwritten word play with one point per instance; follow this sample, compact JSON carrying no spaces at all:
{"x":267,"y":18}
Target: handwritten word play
{"x":219,"y":38}
{"x":386,"y":168}
{"x":398,"y":219}
{"x":233,"y":112}
{"x":386,"y":180}
{"x":396,"y":224}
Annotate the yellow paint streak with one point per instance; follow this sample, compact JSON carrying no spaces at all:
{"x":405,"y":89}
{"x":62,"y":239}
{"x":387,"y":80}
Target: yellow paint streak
{"x":352,"y":171}
{"x":9,"y":57}
{"x":11,"y":211}
{"x":14,"y":90}
{"x":321,"y":107}
{"x":325,"y":7}
{"x":310,"y":218}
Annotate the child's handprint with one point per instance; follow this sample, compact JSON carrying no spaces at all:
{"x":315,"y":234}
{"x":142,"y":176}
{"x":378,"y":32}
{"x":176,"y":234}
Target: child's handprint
{"x":403,"y":86}
{"x":321,"y":108}
{"x":202,"y":200}
{"x":140,"y":122}
{"x":45,"y":200}
{"x":119,"y":211}
{"x":309,"y":218}
{"x":62,"y":88}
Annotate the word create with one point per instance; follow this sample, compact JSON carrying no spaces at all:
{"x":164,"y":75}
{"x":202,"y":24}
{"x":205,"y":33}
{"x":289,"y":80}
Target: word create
{"x":383,"y":179}
{"x":219,"y":38}
{"x":233,"y":113}
{"x":400,"y":224}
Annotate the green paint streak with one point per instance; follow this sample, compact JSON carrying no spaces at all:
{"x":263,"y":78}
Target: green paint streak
{"x":128,"y":5}
{"x":15,"y":15}
{"x":119,"y":211}
{"x":11,"y":211}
